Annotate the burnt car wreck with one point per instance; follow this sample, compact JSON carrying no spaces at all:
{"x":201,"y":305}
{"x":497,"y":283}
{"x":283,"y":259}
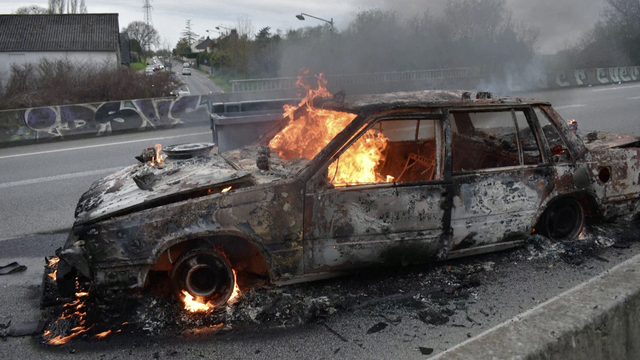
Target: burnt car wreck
{"x":348,"y":182}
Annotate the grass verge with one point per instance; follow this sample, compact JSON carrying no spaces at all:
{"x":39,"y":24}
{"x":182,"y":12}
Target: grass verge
{"x":222,"y":81}
{"x":138,"y":66}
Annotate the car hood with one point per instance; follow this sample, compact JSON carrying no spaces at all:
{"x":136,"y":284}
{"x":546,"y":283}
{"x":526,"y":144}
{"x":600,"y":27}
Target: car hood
{"x":602,"y":140}
{"x":144,"y":186}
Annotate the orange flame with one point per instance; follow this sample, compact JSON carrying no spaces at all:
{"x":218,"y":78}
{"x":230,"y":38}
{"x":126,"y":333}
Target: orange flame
{"x":53,"y":264}
{"x":102,"y":335}
{"x":236,"y":289}
{"x":158,"y":159}
{"x":310,"y":132}
{"x":195,"y":304}
{"x":71,"y":310}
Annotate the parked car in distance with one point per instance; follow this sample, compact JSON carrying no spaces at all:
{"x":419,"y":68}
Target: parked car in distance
{"x":186,"y":71}
{"x":346,"y":182}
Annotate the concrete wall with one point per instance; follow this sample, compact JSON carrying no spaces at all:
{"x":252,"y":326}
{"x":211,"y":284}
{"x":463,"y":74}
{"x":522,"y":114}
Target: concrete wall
{"x":598,"y":320}
{"x":23,"y":57}
{"x":25,"y":126}
{"x":452,"y":79}
{"x":599,"y":76}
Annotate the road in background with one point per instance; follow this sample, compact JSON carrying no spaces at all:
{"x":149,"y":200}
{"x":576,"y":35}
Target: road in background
{"x":198,"y":82}
{"x":41,"y":184}
{"x":612,"y":108}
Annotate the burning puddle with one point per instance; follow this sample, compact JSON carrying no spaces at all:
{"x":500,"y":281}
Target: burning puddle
{"x":435,"y":293}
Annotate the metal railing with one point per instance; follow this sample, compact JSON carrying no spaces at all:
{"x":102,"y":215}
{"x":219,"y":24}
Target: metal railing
{"x":404,"y":76}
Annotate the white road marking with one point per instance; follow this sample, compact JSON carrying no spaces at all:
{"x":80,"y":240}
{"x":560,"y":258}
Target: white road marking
{"x":59,"y":177}
{"x":569,"y":106}
{"x":617,"y":88}
{"x":634,"y":98}
{"x":109,"y":144}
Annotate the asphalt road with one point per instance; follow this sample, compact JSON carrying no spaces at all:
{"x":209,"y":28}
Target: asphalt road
{"x":612,"y":108}
{"x":40,"y":185}
{"x":198,"y":82}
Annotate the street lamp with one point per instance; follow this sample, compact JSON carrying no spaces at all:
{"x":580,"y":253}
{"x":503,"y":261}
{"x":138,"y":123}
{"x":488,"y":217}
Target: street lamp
{"x":212,"y":30}
{"x":226,"y":28}
{"x":235,"y":45}
{"x":302,"y":15}
{"x":330,"y":22}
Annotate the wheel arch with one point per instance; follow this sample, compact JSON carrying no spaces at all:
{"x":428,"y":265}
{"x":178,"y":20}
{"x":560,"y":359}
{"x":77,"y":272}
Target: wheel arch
{"x":588,"y":201}
{"x":244,"y":253}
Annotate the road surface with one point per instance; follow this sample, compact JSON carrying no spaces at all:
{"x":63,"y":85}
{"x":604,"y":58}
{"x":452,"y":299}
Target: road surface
{"x":197,"y":83}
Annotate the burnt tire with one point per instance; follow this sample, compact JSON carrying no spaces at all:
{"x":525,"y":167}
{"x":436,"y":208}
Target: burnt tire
{"x":563,"y":220}
{"x":203,"y":273}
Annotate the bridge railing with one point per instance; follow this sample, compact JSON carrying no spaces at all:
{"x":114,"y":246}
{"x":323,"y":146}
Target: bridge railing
{"x":290,"y":82}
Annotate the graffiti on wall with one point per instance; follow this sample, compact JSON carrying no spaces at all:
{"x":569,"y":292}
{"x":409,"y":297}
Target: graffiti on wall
{"x":101,"y":118}
{"x":600,"y":76}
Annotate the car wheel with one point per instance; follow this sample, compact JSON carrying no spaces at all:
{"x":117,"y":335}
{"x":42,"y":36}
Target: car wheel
{"x":563,"y":220}
{"x":203,"y":273}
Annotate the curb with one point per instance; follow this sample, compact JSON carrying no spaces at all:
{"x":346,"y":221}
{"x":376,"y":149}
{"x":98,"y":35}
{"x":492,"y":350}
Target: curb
{"x":599,"y":319}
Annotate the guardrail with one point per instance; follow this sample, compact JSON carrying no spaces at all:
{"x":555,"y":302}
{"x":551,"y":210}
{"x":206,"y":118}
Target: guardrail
{"x":368,"y":78}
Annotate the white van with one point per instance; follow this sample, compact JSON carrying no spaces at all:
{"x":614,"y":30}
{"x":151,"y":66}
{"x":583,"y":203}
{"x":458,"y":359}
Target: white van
{"x":186,"y":65}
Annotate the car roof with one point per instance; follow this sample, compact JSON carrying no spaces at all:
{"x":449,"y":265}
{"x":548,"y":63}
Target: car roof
{"x":418,"y":99}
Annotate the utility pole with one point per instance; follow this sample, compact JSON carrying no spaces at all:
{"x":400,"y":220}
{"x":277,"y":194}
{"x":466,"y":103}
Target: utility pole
{"x":147,"y":12}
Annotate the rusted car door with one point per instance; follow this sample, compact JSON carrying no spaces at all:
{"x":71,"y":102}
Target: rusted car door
{"x":400,"y":216}
{"x":499,"y":174}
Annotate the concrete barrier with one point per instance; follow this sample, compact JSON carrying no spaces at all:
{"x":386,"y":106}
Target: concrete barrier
{"x":599,"y":319}
{"x":593,"y":77}
{"x":64,"y":122}
{"x":50,"y":123}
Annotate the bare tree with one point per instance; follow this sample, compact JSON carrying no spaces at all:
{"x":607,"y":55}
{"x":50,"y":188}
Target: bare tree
{"x":145,"y":34}
{"x":615,"y":39}
{"x":56,"y":6}
{"x":32,"y":10}
{"x":188,"y":33}
{"x":67,"y":7}
{"x":244,"y":26}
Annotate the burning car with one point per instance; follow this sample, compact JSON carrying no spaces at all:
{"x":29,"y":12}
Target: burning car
{"x":346,"y":182}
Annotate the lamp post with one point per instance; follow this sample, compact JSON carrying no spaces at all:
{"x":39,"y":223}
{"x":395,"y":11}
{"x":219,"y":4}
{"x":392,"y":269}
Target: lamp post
{"x":302,"y":15}
{"x":210,"y":65}
{"x":235,"y":45}
{"x":330,"y":22}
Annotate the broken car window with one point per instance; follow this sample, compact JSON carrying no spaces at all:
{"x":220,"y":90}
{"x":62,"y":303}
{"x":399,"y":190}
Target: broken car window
{"x":390,"y":151}
{"x":528,"y":142}
{"x":484,"y":140}
{"x":558,"y":148}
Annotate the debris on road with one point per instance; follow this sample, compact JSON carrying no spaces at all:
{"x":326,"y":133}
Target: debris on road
{"x":23,"y":329}
{"x":377,"y":327}
{"x":425,"y":350}
{"x":12,"y":268}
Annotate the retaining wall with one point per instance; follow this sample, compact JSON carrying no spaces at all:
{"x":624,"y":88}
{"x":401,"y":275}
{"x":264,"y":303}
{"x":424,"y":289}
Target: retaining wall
{"x":600,"y":76}
{"x":33,"y":125}
{"x":598,"y":320}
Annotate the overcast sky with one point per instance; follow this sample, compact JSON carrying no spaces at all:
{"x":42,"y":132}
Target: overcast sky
{"x":560,"y":21}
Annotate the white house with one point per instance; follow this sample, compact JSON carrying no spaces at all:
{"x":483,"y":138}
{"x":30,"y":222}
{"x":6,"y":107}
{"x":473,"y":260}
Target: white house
{"x":77,"y":37}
